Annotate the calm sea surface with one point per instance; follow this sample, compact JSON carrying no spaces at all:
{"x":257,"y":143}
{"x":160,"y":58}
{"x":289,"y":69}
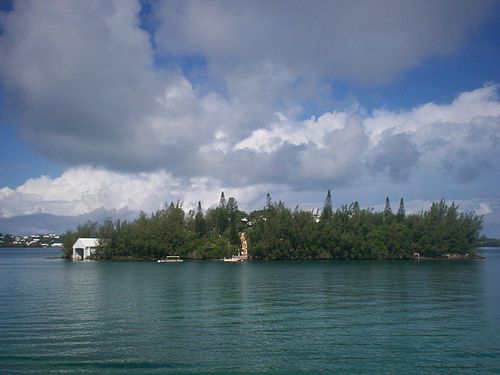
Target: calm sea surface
{"x":384,"y":317}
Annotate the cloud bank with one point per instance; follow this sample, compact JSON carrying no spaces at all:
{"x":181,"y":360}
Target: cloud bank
{"x":200,"y":96}
{"x":432,"y":146}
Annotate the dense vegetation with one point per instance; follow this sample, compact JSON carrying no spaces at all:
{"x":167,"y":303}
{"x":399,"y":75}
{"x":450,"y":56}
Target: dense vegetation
{"x":277,"y":232}
{"x":489,"y":242}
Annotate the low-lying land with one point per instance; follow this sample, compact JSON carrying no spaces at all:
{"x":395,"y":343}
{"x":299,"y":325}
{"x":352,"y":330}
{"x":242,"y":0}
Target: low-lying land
{"x":278,"y":232}
{"x":33,"y":240}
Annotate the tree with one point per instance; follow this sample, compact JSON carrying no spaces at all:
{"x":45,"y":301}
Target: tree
{"x":199,"y":222}
{"x":269,"y":202}
{"x":221,"y":216}
{"x":232,"y":207}
{"x":106,"y":230}
{"x":222,"y":200}
{"x":401,"y":214}
{"x":232,"y":212}
{"x":327,"y":212}
{"x":387,"y":209}
{"x":355,"y":207}
{"x":277,"y":233}
{"x":69,"y":238}
{"x":89,"y":229}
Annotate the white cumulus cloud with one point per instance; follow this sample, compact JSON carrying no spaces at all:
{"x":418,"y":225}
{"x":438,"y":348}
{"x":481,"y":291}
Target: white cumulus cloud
{"x":83,"y":190}
{"x":86,"y":85}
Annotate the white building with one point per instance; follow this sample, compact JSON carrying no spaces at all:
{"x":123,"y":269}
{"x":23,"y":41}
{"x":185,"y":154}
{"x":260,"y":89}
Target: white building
{"x":84,"y":248}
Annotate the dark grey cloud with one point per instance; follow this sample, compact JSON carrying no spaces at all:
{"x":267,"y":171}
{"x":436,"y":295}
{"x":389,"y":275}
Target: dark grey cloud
{"x":463,"y":151}
{"x":467,"y":172}
{"x":465,"y":165}
{"x":397,"y":156}
{"x":369,"y":41}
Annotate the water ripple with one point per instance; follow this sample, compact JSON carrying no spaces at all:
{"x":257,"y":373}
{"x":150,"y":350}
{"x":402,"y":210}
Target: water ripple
{"x":269,"y":317}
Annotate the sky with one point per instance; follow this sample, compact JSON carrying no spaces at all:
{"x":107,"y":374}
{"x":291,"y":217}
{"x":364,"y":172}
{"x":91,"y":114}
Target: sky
{"x":123,"y":105}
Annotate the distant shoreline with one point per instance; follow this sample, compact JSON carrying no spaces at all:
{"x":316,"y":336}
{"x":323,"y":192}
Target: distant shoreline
{"x":452,"y":257}
{"x":151,"y":259}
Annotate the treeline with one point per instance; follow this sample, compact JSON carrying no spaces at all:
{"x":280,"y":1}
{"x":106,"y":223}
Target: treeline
{"x":278,"y":232}
{"x":489,"y":242}
{"x":169,"y":231}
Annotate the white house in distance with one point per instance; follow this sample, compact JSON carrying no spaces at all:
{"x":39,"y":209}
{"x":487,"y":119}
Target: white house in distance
{"x":84,"y":248}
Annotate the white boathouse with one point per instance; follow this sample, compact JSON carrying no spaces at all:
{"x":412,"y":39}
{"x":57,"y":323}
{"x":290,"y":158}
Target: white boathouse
{"x":84,"y":248}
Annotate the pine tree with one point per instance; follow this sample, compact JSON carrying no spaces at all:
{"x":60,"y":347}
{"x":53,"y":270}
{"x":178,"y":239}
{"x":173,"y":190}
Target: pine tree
{"x":232,"y":208}
{"x":222,"y":201}
{"x":327,"y":212}
{"x":199,"y":222}
{"x":232,"y":211}
{"x":221,"y":218}
{"x":387,"y":209}
{"x":269,"y":202}
{"x":401,"y":210}
{"x":355,"y":207}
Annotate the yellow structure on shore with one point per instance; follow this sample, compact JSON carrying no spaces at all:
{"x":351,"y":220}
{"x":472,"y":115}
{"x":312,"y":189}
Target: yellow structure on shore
{"x":243,"y":254}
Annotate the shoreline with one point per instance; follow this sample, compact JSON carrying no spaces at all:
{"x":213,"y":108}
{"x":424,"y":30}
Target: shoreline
{"x":451,"y":257}
{"x":135,"y":259}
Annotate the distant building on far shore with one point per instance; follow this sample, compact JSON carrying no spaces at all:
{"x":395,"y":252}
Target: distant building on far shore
{"x":84,"y":248}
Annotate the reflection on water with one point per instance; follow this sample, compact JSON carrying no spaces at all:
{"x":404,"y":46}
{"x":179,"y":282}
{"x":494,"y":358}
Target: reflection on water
{"x":269,"y":317}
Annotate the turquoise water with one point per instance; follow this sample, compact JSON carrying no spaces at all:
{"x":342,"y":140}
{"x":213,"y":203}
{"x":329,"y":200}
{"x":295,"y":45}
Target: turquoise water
{"x":381,"y":317}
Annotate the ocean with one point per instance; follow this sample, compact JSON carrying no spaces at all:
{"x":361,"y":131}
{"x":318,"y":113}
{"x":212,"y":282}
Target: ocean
{"x":275,"y":317}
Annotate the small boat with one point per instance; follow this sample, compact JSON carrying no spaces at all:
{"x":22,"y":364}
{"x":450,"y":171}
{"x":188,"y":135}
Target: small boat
{"x":171,"y":259}
{"x":234,"y":259}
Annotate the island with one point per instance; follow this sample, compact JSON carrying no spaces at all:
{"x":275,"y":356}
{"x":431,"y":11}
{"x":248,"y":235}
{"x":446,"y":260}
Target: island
{"x":278,"y":232}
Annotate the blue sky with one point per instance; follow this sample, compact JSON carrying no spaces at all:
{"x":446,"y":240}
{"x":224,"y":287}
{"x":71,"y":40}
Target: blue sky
{"x":124,"y":105}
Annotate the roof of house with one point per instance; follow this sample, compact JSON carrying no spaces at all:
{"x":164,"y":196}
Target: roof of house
{"x":86,"y":242}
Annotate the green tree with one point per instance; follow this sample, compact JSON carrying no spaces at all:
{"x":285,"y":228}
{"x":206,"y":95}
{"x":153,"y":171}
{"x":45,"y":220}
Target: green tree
{"x":355,"y":207}
{"x":279,"y":233}
{"x":269,"y":202}
{"x":199,"y":222}
{"x":387,"y":208}
{"x":401,"y":214}
{"x":69,"y":238}
{"x":106,"y":230}
{"x":221,"y":216}
{"x":327,"y":212}
{"x":232,"y":212}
